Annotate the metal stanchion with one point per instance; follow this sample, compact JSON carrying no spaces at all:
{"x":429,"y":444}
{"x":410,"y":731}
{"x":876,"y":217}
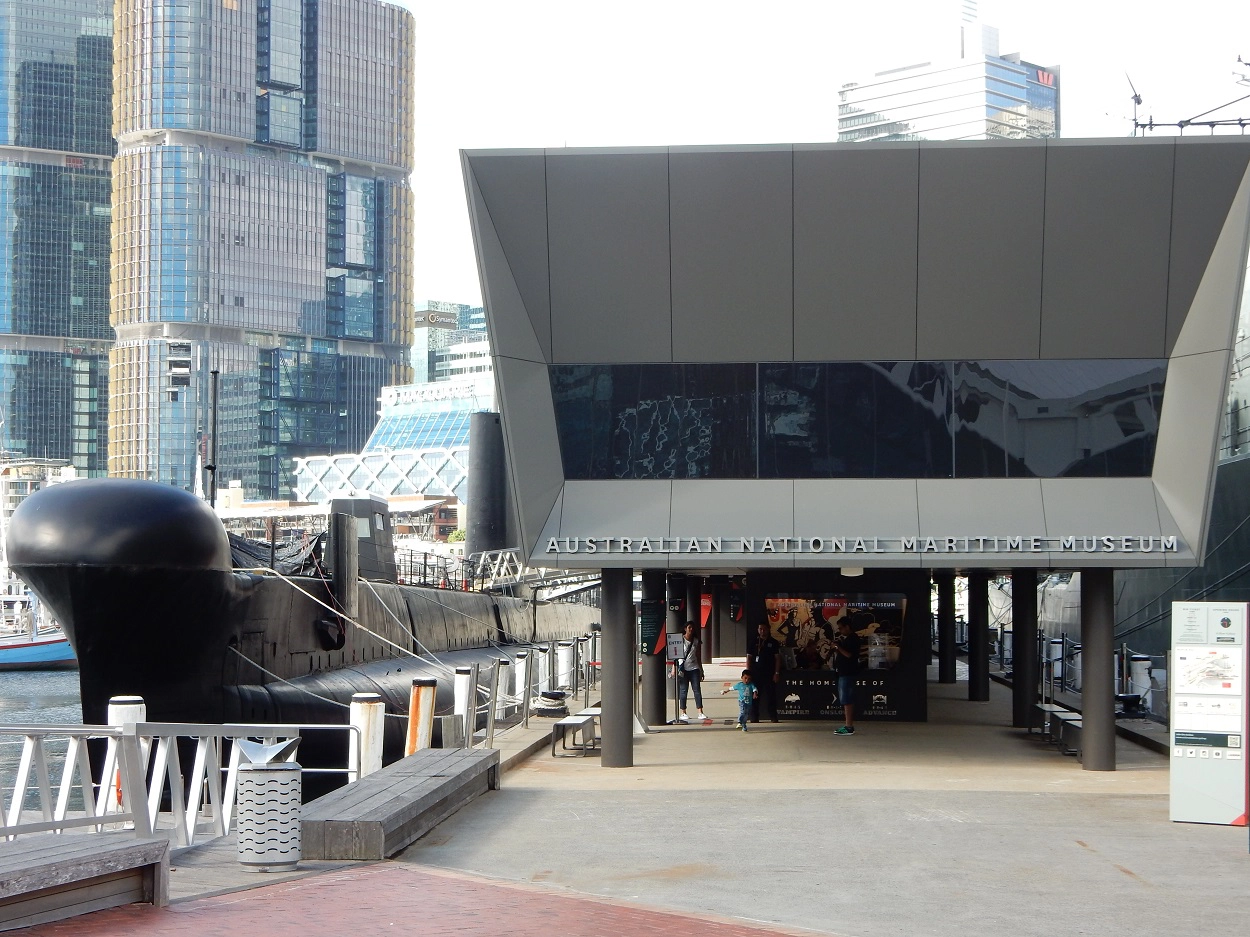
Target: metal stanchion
{"x":491,"y":705}
{"x":470,"y":728}
{"x":523,"y":676}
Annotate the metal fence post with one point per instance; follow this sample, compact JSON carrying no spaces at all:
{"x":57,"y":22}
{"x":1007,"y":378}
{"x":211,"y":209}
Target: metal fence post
{"x":133,"y":770}
{"x":492,"y":705}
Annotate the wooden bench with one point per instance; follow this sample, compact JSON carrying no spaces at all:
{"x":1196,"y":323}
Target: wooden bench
{"x":582,"y":724}
{"x":385,"y":812}
{"x":46,"y":877}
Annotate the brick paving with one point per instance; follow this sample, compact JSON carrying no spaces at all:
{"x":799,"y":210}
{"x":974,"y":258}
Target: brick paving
{"x":398,"y":898}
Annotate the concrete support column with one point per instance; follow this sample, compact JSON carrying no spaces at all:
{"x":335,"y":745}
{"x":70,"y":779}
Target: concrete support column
{"x":1024,"y":661}
{"x":619,"y":653}
{"x":946,"y":626}
{"x":717,"y":586}
{"x":694,"y":611}
{"x":653,"y":673}
{"x":676,"y":624}
{"x":1097,"y":669}
{"x":979,"y":635}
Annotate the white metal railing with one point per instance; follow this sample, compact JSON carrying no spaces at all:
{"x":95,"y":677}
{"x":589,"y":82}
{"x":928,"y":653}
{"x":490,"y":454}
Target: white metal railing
{"x":141,"y":770}
{"x":495,"y":569}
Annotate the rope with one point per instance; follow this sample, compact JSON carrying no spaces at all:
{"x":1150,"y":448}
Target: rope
{"x":445,"y":668}
{"x":324,"y":699}
{"x":331,"y":609}
{"x":405,"y":629}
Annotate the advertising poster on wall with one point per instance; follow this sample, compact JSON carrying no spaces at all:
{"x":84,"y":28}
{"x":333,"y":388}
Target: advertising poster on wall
{"x":805,"y":625}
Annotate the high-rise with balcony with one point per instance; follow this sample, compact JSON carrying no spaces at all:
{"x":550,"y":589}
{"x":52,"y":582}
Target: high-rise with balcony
{"x":56,"y":81}
{"x":964,"y":90}
{"x":262,"y":231}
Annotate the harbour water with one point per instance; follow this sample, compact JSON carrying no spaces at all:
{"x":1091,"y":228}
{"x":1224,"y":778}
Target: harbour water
{"x":34,"y":697}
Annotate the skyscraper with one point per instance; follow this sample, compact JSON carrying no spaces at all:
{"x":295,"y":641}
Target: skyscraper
{"x":262,"y":230}
{"x":56,"y":80}
{"x":965,"y":90}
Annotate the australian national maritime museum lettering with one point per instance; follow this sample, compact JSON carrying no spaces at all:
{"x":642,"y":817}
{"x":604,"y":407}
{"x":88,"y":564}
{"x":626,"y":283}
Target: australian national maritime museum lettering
{"x":844,"y":545}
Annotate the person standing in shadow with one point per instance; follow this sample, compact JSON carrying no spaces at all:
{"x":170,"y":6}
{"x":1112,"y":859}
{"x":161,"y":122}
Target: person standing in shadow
{"x":765,"y":660}
{"x":846,"y":663}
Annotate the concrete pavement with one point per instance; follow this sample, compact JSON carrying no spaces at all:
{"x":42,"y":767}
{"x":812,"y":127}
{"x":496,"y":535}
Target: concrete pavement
{"x":958,"y":826}
{"x":955,"y":827}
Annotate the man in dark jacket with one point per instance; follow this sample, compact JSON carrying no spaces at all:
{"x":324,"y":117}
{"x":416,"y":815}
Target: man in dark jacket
{"x":765,"y":664}
{"x":846,"y":663}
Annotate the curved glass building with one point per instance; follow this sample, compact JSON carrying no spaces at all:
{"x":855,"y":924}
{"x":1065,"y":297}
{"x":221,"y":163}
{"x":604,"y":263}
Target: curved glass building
{"x":262,"y":231}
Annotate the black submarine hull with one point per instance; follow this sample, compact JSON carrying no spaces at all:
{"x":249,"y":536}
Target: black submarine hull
{"x":139,"y":576}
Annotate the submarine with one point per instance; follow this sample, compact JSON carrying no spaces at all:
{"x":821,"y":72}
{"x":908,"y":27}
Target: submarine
{"x":142,"y":578}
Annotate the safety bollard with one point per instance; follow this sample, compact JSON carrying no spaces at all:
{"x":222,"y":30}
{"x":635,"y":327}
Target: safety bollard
{"x":564,"y":666}
{"x":121,"y":710}
{"x":542,"y":658}
{"x":367,"y":714}
{"x":421,"y":716}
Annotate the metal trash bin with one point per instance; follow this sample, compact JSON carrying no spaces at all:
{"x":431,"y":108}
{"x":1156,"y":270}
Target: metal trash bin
{"x":269,"y":792}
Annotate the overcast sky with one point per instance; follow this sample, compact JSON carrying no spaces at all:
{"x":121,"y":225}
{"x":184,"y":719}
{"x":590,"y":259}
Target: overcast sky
{"x":550,"y":73}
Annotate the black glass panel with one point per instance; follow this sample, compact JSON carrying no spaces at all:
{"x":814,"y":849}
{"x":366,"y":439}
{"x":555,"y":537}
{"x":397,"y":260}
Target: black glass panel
{"x":906,"y":419}
{"x":1055,"y":419}
{"x":855,"y":420}
{"x":656,"y":420}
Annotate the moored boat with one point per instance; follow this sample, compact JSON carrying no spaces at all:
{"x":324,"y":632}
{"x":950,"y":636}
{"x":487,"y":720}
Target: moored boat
{"x":45,"y":651}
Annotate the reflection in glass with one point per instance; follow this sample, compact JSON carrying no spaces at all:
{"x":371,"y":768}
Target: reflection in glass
{"x":868,"y":419}
{"x":1056,"y":419}
{"x":855,"y":420}
{"x":656,"y":420}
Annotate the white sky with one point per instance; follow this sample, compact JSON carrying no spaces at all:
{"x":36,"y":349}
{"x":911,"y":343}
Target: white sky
{"x":549,"y":73}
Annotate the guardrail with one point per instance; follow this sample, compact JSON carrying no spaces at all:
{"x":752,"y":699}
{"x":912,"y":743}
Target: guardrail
{"x":141,"y":770}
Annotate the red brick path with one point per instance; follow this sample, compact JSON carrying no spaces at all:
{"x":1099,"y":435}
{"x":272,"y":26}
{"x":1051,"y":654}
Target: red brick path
{"x":391,"y":898}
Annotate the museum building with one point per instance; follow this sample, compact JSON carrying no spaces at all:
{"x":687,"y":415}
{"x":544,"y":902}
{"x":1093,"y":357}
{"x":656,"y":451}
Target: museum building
{"x":821,"y":378}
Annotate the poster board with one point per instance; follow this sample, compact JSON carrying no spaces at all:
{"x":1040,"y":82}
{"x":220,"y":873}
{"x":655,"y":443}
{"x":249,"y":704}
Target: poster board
{"x":1207,"y":686}
{"x":805,"y":625}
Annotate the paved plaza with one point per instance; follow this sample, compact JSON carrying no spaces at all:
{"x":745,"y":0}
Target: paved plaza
{"x":955,"y":827}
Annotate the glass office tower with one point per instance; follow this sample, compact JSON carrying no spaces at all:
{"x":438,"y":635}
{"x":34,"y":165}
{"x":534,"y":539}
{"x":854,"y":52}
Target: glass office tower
{"x":988,"y":98}
{"x":262,"y":230}
{"x":56,"y":144}
{"x":965,"y":90}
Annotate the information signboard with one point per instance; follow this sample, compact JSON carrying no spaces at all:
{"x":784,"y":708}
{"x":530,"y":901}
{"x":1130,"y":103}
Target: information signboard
{"x":651,"y":626}
{"x":1207,"y":680}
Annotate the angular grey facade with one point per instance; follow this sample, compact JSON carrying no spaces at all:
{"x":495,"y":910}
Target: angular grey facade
{"x":1035,"y":338}
{"x":262,"y":230}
